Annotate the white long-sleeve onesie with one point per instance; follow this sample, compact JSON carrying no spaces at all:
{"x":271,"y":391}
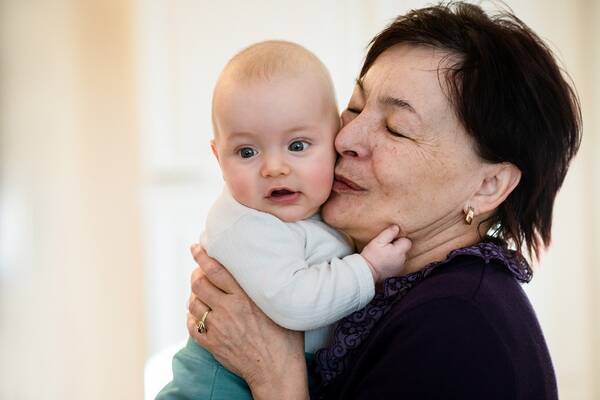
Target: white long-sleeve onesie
{"x":299,"y":273}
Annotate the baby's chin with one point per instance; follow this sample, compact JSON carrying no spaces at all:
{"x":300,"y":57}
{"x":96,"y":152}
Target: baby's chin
{"x":293,"y":214}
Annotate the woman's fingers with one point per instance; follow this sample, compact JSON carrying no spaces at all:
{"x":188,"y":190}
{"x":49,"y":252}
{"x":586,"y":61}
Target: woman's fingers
{"x":192,"y":325}
{"x":206,"y":292}
{"x":215,"y":272}
{"x":196,"y":307}
{"x":197,"y":251}
{"x":197,"y":274}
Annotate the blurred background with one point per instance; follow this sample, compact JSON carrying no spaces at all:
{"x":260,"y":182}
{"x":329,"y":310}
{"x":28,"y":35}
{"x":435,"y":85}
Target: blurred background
{"x":106,"y":177}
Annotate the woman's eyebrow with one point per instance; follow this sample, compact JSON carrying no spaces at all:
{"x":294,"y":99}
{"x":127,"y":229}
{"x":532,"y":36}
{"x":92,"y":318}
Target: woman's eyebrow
{"x":395,"y":102}
{"x":389,"y":100}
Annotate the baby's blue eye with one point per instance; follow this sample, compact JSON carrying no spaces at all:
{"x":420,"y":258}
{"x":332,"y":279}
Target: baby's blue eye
{"x":298,"y":145}
{"x":247,"y":152}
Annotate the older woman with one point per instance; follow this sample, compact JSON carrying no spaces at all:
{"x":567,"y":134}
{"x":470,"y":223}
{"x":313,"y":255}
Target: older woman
{"x":460,"y":130}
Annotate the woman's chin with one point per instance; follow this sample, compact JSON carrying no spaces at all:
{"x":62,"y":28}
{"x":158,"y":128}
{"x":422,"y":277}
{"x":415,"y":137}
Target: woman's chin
{"x":342,"y":219}
{"x":334,"y":213}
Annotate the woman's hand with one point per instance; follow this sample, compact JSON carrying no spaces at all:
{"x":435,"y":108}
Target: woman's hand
{"x":241,"y":337}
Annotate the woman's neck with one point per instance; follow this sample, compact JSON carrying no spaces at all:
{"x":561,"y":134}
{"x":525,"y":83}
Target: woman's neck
{"x":424,"y":253}
{"x":431,"y":248}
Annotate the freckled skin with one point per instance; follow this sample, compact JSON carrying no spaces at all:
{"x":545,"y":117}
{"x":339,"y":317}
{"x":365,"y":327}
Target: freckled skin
{"x":421,"y":181}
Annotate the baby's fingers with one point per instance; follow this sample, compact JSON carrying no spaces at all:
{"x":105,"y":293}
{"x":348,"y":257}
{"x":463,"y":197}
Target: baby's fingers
{"x":387,"y":235}
{"x":402,"y":245}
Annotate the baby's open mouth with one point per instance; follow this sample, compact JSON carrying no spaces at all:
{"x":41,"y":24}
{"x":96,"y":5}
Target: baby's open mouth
{"x":281,"y":193}
{"x":283,"y":196}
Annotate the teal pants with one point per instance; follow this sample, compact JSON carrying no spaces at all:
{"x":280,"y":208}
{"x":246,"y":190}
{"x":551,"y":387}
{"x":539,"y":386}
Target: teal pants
{"x":198,"y":376}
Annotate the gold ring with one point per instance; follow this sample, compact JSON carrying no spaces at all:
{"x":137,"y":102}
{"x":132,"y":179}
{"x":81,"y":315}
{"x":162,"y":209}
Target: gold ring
{"x":201,"y":324}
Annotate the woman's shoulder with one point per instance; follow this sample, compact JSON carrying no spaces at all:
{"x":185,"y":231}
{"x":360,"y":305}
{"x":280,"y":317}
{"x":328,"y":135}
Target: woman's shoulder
{"x":472,"y":316}
{"x":471,"y":279}
{"x":483,"y":292}
{"x":453,"y":334}
{"x":464,"y":290}
{"x":442,"y":344}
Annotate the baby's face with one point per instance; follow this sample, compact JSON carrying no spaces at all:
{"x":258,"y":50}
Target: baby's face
{"x":275,"y":144}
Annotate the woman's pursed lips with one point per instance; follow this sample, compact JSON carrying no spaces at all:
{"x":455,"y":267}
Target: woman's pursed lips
{"x":343,"y":184}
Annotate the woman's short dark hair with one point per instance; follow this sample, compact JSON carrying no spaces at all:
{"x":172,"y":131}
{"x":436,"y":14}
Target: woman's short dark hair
{"x":510,"y":96}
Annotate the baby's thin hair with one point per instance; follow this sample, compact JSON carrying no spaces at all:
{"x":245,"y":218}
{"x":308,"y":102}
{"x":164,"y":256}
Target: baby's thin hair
{"x":268,"y":59}
{"x":271,"y":59}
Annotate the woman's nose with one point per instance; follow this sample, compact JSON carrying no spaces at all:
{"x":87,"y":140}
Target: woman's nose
{"x":274,"y":166}
{"x":352,"y":139}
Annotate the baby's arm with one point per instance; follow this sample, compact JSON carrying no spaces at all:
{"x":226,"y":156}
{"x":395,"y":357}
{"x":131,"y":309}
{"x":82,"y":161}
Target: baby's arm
{"x":268,"y":260}
{"x":386,"y":253}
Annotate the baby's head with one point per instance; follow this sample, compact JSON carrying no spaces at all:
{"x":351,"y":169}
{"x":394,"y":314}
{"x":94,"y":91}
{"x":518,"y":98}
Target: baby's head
{"x":275,"y":119}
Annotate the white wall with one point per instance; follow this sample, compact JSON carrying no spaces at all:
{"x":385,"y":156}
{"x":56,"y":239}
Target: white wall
{"x":71,"y":314}
{"x":106,"y":177}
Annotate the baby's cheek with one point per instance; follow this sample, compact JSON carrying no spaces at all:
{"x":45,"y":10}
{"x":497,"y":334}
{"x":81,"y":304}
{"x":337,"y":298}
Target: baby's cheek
{"x":322,"y":181}
{"x":242,"y":190}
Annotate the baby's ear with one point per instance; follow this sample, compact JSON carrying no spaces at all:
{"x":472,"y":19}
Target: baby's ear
{"x":213,"y":147}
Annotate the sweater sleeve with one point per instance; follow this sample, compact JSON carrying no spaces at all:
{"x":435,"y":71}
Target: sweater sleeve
{"x":268,"y":260}
{"x":442,"y":349}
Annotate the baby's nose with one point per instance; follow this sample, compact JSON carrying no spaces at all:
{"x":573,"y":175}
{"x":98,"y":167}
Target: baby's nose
{"x":274,"y":166}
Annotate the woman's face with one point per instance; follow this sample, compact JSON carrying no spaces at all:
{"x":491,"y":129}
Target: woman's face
{"x":404,"y":156}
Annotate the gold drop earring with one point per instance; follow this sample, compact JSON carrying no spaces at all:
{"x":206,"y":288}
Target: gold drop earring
{"x":469,"y":214}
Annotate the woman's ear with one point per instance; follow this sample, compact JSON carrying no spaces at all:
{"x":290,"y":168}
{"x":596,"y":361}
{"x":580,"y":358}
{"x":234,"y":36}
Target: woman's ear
{"x":497,"y":184}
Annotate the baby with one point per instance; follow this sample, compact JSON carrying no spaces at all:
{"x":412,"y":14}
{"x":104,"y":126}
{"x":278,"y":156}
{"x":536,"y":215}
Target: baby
{"x":275,"y":119}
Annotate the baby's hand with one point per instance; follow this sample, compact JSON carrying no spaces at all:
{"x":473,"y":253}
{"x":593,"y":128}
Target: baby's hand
{"x":386,"y":254}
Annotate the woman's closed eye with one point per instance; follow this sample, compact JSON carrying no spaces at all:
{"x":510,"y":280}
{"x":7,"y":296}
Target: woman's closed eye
{"x":395,"y":133}
{"x":349,"y":114}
